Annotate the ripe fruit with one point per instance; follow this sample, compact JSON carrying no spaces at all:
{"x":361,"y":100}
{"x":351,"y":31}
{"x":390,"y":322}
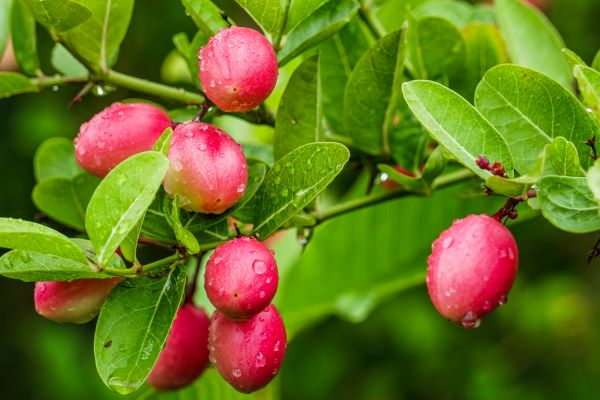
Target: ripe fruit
{"x":241,"y":278}
{"x":117,"y":133}
{"x":208,"y":168}
{"x":185,"y":355}
{"x":238,"y":69}
{"x":247,"y":354}
{"x":78,"y":301}
{"x":471,"y":269}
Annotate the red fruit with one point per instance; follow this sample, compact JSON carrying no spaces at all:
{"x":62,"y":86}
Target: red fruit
{"x":238,"y":69}
{"x":241,"y":278}
{"x":390,"y":184}
{"x":208,"y":168}
{"x":471,"y":269}
{"x":117,"y":133}
{"x":247,"y":354}
{"x":78,"y":301}
{"x":185,"y":355}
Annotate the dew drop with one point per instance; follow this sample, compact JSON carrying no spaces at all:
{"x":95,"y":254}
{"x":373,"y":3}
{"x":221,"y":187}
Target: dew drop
{"x":511,"y":255}
{"x":259,"y":267}
{"x":217,"y":260}
{"x":447,"y":242}
{"x":276,"y":347}
{"x":503,"y":254}
{"x":470,"y":320}
{"x":241,"y":187}
{"x":177,"y":165}
{"x":502,"y":300}
{"x":212,"y":83}
{"x":261,"y":361}
{"x":268,"y":280}
{"x":262,"y":294}
{"x":237,"y":372}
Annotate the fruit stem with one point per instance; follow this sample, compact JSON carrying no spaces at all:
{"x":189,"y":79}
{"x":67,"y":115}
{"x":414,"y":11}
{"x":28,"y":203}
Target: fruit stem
{"x":362,"y":202}
{"x":158,"y":265}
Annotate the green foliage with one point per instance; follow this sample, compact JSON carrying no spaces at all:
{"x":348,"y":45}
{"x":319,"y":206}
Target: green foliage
{"x":59,"y":15}
{"x":206,"y":15}
{"x":24,"y":39}
{"x":588,"y":80}
{"x":563,"y":157}
{"x":55,"y":158}
{"x":12,"y":83}
{"x":133,"y":326}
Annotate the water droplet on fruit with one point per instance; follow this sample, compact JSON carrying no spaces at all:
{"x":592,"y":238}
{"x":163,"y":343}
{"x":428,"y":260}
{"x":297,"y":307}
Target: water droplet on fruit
{"x":262,"y":294}
{"x":502,"y":300}
{"x":276,"y":347}
{"x":177,"y":165}
{"x":470,"y":320}
{"x":241,"y":187}
{"x":447,"y":242}
{"x":259,"y":267}
{"x":217,"y":260}
{"x":502,"y":254}
{"x":261,"y":361}
{"x":237,"y":372}
{"x":487,"y":306}
{"x":212,"y":83}
{"x":212,"y":358}
{"x":511,"y":255}
{"x":268,"y":280}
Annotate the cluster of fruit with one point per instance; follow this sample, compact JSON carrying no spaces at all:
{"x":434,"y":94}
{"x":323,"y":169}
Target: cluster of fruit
{"x":245,"y":338}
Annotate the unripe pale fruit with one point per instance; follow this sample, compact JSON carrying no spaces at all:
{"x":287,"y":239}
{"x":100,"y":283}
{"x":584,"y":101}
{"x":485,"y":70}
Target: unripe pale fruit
{"x":185,"y":354}
{"x":78,"y":301}
{"x":238,"y":69}
{"x":207,"y":168}
{"x":117,"y":133}
{"x":241,"y":277}
{"x":471,"y":269}
{"x":248,"y":354}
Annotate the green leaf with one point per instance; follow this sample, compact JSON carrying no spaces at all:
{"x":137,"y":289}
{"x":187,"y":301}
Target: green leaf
{"x":163,"y":144}
{"x":66,"y":199}
{"x":121,"y":200}
{"x":509,"y":187}
{"x":268,"y":14}
{"x":89,"y":251}
{"x":435,"y":48}
{"x":189,"y":51}
{"x":531,"y":40}
{"x":12,"y":83}
{"x":183,"y":235}
{"x":133,"y":326}
{"x":31,"y":266}
{"x":59,"y":15}
{"x":298,"y":118}
{"x":156,"y":225}
{"x":337,"y":57}
{"x":529,"y":109}
{"x":457,"y":125}
{"x":588,"y":80}
{"x":129,"y":245}
{"x":372,"y":92}
{"x":572,"y":58}
{"x":64,"y":62}
{"x":457,"y":12}
{"x":593,"y":180}
{"x":5,"y":6}
{"x":435,"y":165}
{"x":563,"y":157}
{"x":206,"y":15}
{"x":596,"y":61}
{"x":24,"y":39}
{"x":55,"y":158}
{"x":98,"y":39}
{"x":568,"y":203}
{"x":24,"y":235}
{"x":320,"y":25}
{"x":411,"y":183}
{"x":300,"y":10}
{"x":294,"y":181}
{"x":484,"y":49}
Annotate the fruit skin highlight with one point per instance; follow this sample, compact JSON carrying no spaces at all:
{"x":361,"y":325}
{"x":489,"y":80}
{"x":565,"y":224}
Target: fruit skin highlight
{"x":207,"y":168}
{"x":471,"y":269}
{"x":248,"y":354}
{"x":78,"y":301}
{"x":241,"y":278}
{"x":238,"y":69}
{"x":185,"y":355}
{"x":117,"y":133}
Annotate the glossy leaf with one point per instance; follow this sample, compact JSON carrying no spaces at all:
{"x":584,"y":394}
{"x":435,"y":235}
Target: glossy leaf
{"x":457,"y":125}
{"x":435,"y":48}
{"x":121,"y":200}
{"x":457,"y":12}
{"x":24,"y":39}
{"x":298,"y":120}
{"x":206,"y":15}
{"x":156,"y":225}
{"x":411,"y":183}
{"x":568,"y":203}
{"x":24,"y":235}
{"x":588,"y":80}
{"x":562,"y":156}
{"x":268,"y":14}
{"x":596,"y":61}
{"x":572,"y":58}
{"x":294,"y":181}
{"x":529,"y":109}
{"x":531,"y":39}
{"x":5,"y":6}
{"x":59,"y":15}
{"x":133,"y":326}
{"x":163,"y":144}
{"x":55,"y":158}
{"x":129,"y":245}
{"x":64,"y":62}
{"x":337,"y":57}
{"x":183,"y":235}
{"x":593,"y":180}
{"x":317,"y":27}
{"x":372,"y":91}
{"x":31,"y":266}
{"x":65,"y":200}
{"x":300,"y":10}
{"x":12,"y":83}
{"x":98,"y":39}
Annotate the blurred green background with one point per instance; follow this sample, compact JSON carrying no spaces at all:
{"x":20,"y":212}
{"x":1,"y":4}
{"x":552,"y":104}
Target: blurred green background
{"x":545,"y":344}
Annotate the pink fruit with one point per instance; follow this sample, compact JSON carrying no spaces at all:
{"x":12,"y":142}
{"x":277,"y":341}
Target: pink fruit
{"x":238,"y":69}
{"x":185,"y":355}
{"x":247,"y":354}
{"x":78,"y":301}
{"x":208,"y":168}
{"x":241,"y":278}
{"x":117,"y":133}
{"x":471,"y":269}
